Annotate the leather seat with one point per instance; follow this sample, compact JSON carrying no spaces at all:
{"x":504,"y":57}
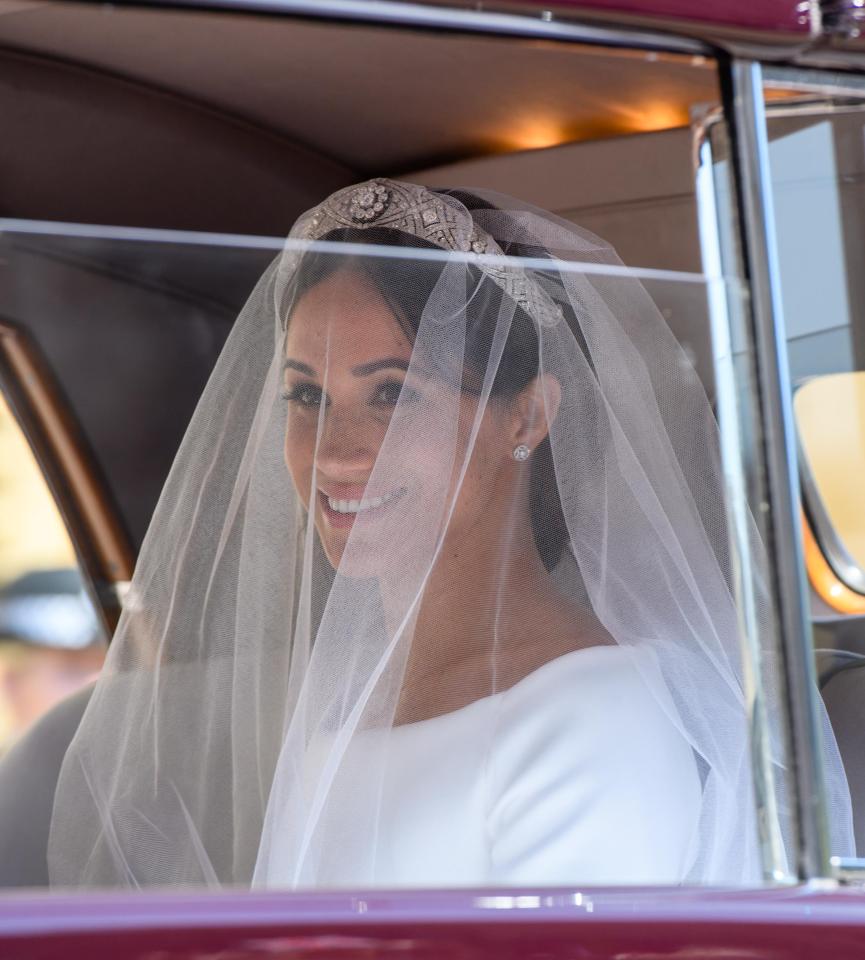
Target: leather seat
{"x":844,"y":696}
{"x":28,"y":780}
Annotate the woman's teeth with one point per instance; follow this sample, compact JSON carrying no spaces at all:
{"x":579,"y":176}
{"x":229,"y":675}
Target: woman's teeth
{"x":357,"y":506}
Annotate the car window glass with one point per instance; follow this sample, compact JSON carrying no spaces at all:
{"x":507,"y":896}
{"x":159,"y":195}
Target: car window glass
{"x":816,"y":154}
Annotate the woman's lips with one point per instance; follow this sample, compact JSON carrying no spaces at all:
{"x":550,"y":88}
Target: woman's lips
{"x":353,"y":508}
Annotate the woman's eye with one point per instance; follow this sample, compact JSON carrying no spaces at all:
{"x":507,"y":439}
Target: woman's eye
{"x":304,"y":395}
{"x":393,"y":392}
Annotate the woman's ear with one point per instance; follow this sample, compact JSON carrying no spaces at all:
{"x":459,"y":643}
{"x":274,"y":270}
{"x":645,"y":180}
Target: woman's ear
{"x":534,"y":409}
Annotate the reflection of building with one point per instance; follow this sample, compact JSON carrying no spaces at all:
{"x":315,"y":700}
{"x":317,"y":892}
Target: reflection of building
{"x":50,"y":639}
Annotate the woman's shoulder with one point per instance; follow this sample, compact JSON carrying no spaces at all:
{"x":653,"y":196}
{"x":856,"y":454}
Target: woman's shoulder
{"x":605,"y":677}
{"x":605,"y":700}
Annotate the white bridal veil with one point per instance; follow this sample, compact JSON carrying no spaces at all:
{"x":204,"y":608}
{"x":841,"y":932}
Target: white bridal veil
{"x":374,"y":525}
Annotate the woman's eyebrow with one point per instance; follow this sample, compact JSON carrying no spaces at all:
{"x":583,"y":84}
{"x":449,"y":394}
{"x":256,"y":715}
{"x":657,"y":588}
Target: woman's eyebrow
{"x":365,"y":369}
{"x":300,"y":367}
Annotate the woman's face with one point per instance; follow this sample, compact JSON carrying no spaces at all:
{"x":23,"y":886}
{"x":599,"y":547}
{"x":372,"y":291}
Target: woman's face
{"x":347,"y":367}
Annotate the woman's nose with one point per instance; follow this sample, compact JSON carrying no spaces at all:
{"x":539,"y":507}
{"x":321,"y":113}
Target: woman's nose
{"x":347,"y":446}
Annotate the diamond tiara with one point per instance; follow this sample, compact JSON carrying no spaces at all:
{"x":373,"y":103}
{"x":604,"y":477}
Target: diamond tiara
{"x":415,"y":210}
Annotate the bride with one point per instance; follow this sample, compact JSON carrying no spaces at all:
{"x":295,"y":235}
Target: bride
{"x":437,"y":592}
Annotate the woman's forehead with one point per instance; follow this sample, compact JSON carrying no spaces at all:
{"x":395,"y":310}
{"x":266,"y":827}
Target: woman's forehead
{"x":345,"y":316}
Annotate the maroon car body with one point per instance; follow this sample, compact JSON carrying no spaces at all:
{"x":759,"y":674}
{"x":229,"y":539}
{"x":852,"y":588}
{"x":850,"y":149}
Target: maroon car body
{"x":781,"y":16}
{"x":476,"y":925}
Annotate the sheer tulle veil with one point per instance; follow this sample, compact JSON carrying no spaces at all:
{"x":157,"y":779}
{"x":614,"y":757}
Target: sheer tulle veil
{"x":276,"y":624}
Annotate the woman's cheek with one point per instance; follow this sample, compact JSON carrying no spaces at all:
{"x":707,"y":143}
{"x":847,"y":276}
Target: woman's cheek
{"x":300,"y":454}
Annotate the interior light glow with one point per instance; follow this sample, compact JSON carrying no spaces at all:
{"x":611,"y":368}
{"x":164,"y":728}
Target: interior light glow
{"x":537,"y":134}
{"x":656,"y":116}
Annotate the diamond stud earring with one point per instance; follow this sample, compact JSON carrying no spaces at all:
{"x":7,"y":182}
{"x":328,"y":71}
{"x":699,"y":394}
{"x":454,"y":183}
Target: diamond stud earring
{"x":521,"y":452}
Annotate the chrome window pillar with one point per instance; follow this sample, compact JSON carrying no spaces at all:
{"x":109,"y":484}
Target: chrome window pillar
{"x":725,"y":301}
{"x":776,"y":460}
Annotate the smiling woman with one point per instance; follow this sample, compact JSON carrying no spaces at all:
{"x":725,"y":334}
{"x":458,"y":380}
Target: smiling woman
{"x":351,"y":333}
{"x":438,"y":589}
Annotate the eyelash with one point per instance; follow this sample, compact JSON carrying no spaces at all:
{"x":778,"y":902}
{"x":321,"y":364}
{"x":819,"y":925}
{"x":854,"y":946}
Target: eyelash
{"x":299,"y":395}
{"x":308,"y":395}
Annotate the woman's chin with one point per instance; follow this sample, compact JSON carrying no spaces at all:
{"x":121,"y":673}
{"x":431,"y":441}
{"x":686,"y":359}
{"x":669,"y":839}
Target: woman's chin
{"x":347,"y":564}
{"x":355,"y":563}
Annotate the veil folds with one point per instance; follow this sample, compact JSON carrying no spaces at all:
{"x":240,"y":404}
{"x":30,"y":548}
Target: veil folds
{"x":351,"y":553}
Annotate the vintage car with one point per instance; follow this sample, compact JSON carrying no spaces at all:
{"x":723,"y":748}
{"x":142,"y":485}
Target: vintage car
{"x":152,"y":157}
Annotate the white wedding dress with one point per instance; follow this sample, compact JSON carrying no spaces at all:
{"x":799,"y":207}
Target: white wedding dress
{"x":575,"y":775}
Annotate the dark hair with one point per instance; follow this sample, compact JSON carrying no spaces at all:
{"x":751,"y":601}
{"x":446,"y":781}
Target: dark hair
{"x":406,"y":285}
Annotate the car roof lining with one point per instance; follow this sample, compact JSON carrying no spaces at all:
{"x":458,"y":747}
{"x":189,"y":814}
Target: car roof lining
{"x":290,"y":76}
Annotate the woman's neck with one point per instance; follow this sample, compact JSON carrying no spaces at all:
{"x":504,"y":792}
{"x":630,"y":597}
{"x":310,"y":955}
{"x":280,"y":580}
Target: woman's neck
{"x":479,"y":590}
